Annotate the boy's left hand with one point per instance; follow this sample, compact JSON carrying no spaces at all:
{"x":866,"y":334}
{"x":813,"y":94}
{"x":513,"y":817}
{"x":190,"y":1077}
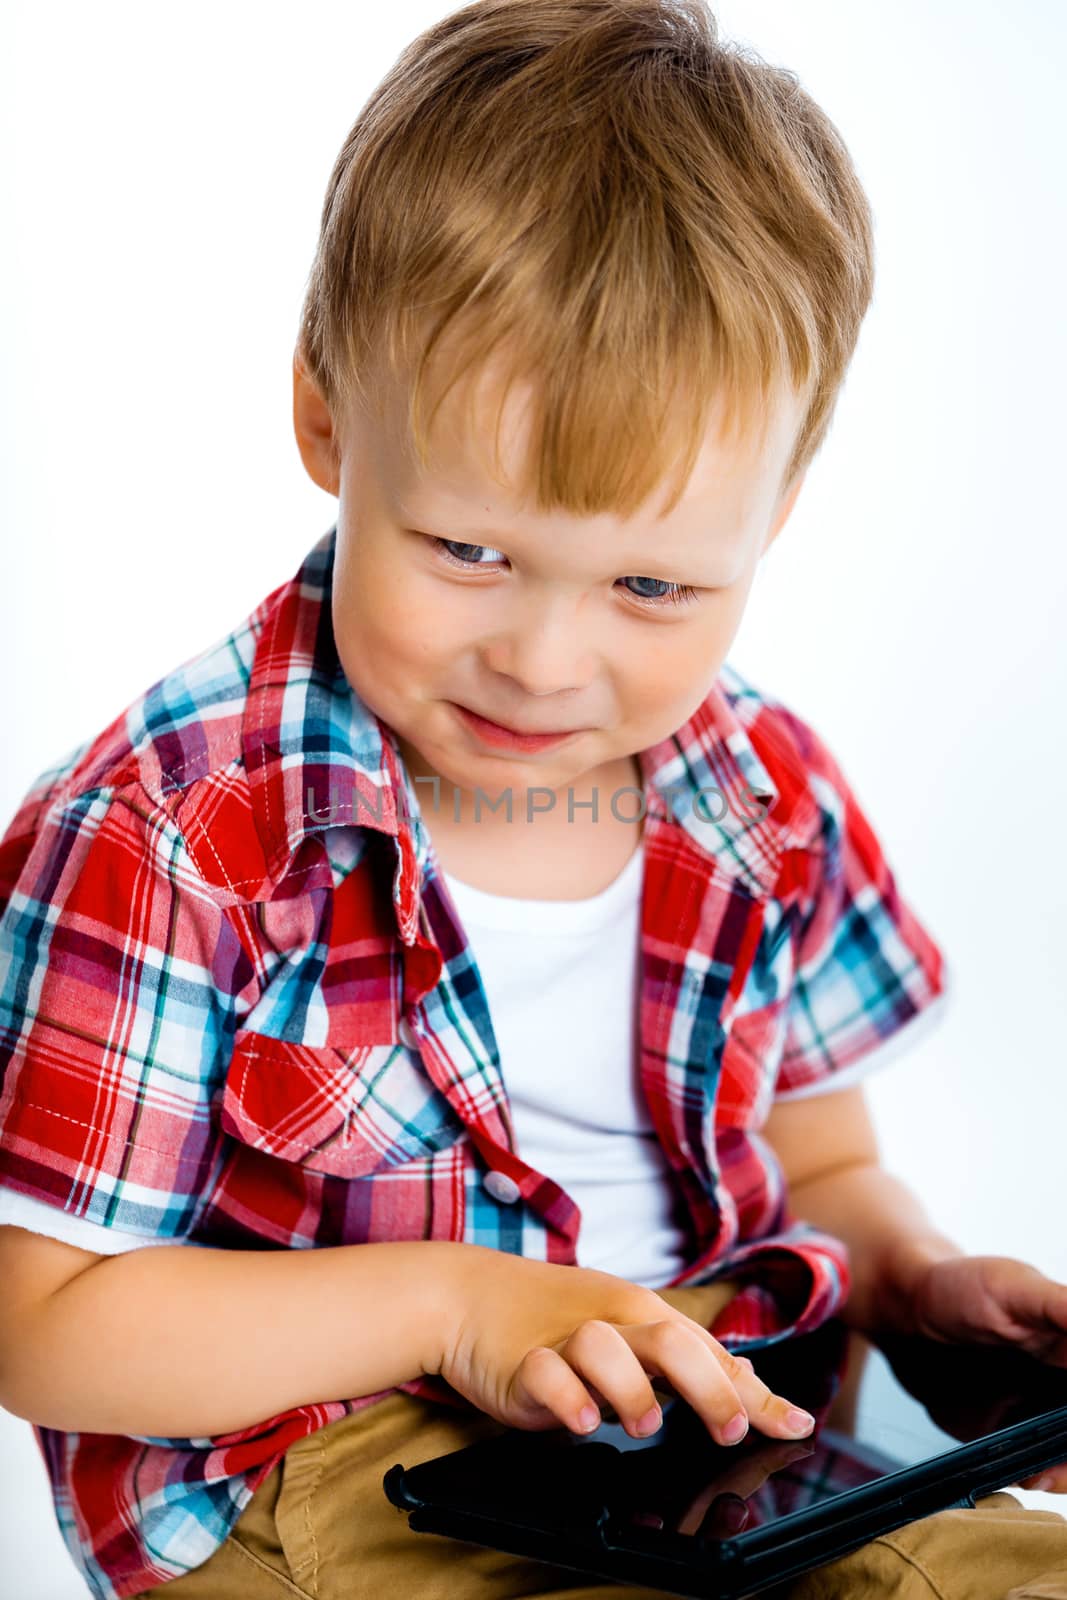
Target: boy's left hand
{"x":996,"y":1300}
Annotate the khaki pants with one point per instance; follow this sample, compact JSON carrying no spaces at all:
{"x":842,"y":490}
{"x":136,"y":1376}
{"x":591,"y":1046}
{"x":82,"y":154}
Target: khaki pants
{"x":320,"y":1527}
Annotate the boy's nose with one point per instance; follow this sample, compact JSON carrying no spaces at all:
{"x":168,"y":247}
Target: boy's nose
{"x":545,"y":653}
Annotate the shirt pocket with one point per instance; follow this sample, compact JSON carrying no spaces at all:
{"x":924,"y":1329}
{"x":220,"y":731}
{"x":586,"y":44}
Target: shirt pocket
{"x":347,"y":1112}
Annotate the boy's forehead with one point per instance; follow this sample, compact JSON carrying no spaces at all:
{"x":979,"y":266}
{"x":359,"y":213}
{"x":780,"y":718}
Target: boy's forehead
{"x":732,"y":489}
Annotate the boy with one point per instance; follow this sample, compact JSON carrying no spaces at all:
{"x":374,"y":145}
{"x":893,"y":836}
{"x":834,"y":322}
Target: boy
{"x":479,"y":1095}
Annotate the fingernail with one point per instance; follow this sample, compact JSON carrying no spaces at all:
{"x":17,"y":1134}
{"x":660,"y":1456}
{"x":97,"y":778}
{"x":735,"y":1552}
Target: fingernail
{"x":736,"y":1428}
{"x":588,"y":1417}
{"x":798,"y":1421}
{"x":650,"y":1421}
{"x":1045,"y":1481}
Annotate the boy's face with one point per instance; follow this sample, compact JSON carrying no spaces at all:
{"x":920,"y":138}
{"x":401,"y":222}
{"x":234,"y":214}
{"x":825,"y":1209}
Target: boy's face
{"x":552,"y":622}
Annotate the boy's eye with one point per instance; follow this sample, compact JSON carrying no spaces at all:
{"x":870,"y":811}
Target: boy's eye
{"x":676,"y":593}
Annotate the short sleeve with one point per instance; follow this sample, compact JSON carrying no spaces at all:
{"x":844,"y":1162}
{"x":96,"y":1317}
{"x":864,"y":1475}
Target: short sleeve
{"x":869,"y":980}
{"x":116,"y":1021}
{"x":20,"y":1211}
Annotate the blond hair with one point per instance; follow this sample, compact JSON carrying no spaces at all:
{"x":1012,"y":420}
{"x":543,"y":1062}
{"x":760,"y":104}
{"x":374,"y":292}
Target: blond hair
{"x":616,"y":201}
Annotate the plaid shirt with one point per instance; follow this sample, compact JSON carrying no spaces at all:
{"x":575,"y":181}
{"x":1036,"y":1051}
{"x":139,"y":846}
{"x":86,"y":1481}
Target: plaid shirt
{"x":238,"y":1010}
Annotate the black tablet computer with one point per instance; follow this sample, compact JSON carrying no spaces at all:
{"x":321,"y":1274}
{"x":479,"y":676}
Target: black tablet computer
{"x":904,"y":1427}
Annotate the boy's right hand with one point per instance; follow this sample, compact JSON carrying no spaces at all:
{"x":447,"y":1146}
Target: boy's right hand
{"x":532,"y":1343}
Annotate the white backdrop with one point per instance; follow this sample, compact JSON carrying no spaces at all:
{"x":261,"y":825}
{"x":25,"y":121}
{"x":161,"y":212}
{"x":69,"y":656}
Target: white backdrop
{"x":163,"y":178}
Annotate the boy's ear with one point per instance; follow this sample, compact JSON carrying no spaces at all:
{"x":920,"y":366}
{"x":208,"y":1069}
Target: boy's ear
{"x":314,"y":429}
{"x":781,"y":516}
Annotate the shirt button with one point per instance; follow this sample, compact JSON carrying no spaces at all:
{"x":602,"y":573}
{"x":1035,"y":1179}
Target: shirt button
{"x":407,"y":1033}
{"x":501,"y":1187}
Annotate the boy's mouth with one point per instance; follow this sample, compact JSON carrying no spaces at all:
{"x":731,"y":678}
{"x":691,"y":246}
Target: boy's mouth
{"x":498,"y":733}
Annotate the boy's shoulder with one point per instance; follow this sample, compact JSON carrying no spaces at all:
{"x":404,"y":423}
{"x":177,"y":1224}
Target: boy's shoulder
{"x":219,"y":749}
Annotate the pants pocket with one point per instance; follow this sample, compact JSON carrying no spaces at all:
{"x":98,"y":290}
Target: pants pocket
{"x":302,"y":1470}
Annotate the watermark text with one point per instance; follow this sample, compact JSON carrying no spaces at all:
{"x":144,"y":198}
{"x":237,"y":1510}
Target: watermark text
{"x":711,"y":804}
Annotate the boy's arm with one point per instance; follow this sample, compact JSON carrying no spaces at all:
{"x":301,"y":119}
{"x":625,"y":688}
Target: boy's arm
{"x":181,"y":1341}
{"x":829,"y":1154}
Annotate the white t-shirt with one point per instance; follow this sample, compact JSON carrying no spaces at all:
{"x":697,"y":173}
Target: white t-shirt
{"x":563,"y":982}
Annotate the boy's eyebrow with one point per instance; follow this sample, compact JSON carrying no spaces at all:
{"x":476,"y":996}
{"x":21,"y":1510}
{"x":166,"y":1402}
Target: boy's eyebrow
{"x":668,"y":571}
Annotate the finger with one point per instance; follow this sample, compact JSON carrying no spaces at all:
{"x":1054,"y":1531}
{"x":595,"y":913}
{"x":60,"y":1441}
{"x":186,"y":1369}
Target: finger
{"x":717,"y":1384}
{"x":797,"y":1423}
{"x":547,"y":1387}
{"x":610,"y":1370}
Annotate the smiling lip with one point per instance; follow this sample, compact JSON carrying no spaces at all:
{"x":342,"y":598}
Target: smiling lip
{"x":495,"y":732}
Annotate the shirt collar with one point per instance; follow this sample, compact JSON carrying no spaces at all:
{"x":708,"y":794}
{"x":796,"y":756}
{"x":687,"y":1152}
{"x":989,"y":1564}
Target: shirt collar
{"x":317,"y":757}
